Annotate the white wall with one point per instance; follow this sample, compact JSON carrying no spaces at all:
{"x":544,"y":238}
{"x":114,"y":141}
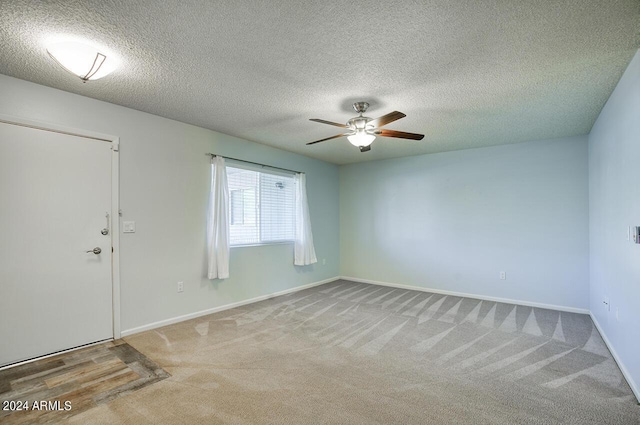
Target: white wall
{"x":614,"y":205}
{"x":164,"y":188}
{"x":452,"y":221}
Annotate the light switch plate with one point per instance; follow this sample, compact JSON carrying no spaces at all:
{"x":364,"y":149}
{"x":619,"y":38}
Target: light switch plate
{"x":128,"y":227}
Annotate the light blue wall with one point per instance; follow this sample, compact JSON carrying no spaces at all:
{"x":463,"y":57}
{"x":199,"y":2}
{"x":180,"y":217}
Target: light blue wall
{"x":614,"y":205}
{"x":164,"y":183}
{"x":452,"y":221}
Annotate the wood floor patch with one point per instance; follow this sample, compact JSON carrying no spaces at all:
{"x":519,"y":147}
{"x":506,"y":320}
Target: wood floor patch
{"x":49,"y":390}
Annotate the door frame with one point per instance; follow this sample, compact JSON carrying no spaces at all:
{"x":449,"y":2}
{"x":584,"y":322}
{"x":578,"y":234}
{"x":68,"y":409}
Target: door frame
{"x":115,"y":198}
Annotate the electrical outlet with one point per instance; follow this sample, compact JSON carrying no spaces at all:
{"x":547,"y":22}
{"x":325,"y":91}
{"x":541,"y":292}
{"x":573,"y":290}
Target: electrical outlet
{"x":180,"y":286}
{"x":503,"y":275}
{"x":324,"y":261}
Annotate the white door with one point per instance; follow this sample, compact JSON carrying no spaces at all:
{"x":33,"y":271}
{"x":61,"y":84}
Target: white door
{"x":55,"y":193}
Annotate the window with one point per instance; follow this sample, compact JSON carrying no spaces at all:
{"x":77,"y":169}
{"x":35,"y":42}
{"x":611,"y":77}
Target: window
{"x":242,"y":201}
{"x":261,"y":207}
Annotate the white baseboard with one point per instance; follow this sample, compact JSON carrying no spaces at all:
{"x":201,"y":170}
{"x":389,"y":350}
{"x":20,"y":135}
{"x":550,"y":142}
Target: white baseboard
{"x":475,"y":296}
{"x":623,"y":369}
{"x":189,"y":316}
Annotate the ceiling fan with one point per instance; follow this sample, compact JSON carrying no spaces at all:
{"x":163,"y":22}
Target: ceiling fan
{"x":363,"y":130}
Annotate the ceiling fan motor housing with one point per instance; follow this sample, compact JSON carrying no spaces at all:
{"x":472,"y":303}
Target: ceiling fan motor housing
{"x":359,"y":123}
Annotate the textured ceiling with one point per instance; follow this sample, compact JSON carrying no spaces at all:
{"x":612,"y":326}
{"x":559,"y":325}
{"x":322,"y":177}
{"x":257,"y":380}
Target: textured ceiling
{"x":466,"y":73}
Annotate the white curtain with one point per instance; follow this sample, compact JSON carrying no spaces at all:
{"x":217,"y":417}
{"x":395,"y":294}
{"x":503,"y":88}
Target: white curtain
{"x":218,"y":221}
{"x":304,"y":252}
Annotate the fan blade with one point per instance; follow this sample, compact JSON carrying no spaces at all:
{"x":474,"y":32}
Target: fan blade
{"x":365,"y":148}
{"x":329,"y":138}
{"x":328,"y":122}
{"x":386,"y":119}
{"x":399,"y":134}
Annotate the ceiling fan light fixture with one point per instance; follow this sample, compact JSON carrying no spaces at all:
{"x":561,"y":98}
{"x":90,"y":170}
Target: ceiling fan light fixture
{"x":81,"y":59}
{"x":361,"y":138}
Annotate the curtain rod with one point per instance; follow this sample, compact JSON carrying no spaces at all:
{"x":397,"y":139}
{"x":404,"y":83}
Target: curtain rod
{"x":255,"y":163}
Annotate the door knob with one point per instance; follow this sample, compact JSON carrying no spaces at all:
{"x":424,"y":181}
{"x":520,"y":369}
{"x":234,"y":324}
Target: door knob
{"x":95,"y":250}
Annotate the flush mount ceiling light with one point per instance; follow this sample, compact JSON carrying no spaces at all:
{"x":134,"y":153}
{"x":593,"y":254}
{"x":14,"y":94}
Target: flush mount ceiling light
{"x":81,"y":59}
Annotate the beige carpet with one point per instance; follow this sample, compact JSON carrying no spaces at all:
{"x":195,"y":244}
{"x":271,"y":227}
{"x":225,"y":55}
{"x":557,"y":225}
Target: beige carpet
{"x":349,"y":353}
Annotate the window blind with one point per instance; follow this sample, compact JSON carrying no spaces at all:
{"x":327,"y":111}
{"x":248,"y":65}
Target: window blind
{"x":261,"y":206}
